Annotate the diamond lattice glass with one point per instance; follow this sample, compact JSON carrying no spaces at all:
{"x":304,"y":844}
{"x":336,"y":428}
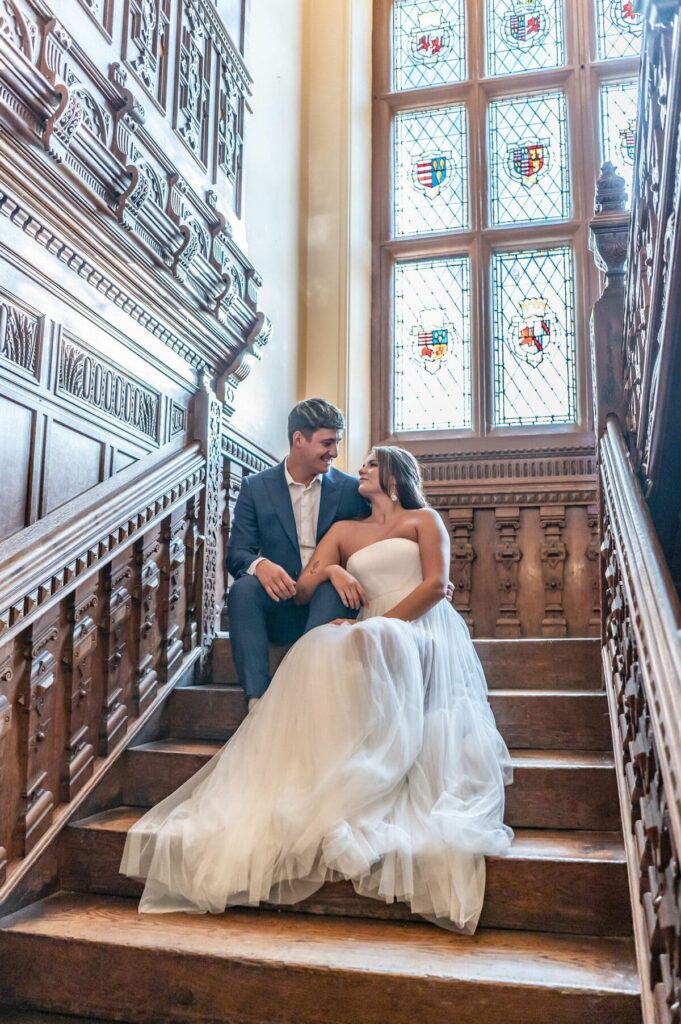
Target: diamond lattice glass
{"x":432,"y":353}
{"x":618,"y":109}
{"x":429,"y":43}
{"x":529,"y":170}
{"x":524,"y":35}
{"x":430,"y":171}
{"x":534,"y":338}
{"x":618,"y":29}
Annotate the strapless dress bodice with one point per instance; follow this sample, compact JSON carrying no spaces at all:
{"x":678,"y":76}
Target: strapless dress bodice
{"x":387,"y":566}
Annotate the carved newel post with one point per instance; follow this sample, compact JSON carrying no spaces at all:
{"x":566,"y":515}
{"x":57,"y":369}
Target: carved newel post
{"x":608,"y":241}
{"x":208,"y":430}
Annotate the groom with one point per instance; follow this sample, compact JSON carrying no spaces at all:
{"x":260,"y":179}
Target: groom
{"x":279,"y":517}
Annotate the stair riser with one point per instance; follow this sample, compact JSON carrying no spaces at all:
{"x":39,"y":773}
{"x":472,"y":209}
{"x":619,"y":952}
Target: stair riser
{"x":202,"y":713}
{"x":540,"y":797}
{"x":577,"y":897}
{"x":523,"y":664}
{"x":153,"y":985}
{"x":536,"y":721}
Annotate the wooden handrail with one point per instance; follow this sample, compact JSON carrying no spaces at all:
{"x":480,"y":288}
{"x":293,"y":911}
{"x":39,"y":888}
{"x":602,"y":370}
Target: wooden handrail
{"x":41,"y":563}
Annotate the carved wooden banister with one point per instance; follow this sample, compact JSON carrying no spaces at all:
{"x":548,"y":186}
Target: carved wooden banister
{"x":63,"y":549}
{"x":642,"y":662}
{"x":104,"y":604}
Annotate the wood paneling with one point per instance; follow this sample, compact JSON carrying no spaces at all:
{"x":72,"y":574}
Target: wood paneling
{"x":16,"y":431}
{"x":82,"y":455}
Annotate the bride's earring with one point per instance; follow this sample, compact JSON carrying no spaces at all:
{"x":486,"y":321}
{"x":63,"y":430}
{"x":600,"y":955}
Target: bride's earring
{"x":393,"y":495}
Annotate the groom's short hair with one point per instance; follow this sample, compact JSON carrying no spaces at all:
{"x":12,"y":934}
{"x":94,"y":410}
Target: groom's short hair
{"x":314,"y":414}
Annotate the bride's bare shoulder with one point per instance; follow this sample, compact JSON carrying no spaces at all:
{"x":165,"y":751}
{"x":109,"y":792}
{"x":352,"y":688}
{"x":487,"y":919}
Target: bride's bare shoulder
{"x":428,"y":520}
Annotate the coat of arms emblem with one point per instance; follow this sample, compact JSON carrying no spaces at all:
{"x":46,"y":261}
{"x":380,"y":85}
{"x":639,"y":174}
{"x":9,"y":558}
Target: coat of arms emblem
{"x":430,"y":173}
{"x":531,"y":331}
{"x":624,"y":16}
{"x":527,"y":24}
{"x":628,"y":140}
{"x":431,"y":41}
{"x":433,"y":337}
{"x":528,"y":160}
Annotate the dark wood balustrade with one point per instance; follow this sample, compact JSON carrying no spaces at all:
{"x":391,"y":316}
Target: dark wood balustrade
{"x":98,"y":616}
{"x":636,"y":358}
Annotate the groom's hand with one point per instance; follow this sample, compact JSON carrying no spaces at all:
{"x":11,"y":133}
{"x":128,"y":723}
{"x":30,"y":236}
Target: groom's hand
{"x":450,"y":591}
{"x":276,"y":581}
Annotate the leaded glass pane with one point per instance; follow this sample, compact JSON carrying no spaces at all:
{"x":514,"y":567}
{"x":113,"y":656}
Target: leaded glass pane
{"x":528,"y":145}
{"x":619,"y":104}
{"x":429,"y":43}
{"x":618,"y":29}
{"x":430,"y":171}
{"x":432,"y":355}
{"x":524,"y":35}
{"x":534,"y":338}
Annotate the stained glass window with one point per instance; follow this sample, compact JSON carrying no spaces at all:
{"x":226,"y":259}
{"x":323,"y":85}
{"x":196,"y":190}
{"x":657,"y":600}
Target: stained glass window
{"x":429,"y":43}
{"x":618,"y":29}
{"x":529,"y":170}
{"x":430,"y":170}
{"x":432,"y":352}
{"x":618,"y":105}
{"x":524,"y":35}
{"x":534,"y":338}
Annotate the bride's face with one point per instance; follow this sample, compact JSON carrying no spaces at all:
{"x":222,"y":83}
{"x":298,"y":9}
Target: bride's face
{"x":369,"y":484}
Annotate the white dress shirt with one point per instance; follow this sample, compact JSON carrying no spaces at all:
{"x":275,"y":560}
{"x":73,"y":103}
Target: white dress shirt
{"x":305,"y":499}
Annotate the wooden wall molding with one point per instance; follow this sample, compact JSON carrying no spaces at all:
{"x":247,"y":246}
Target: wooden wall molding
{"x":88,"y":378}
{"x":85,"y":130}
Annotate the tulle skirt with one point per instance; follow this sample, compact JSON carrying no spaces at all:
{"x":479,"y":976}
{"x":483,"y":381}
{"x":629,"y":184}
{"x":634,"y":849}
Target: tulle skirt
{"x":373,"y":757}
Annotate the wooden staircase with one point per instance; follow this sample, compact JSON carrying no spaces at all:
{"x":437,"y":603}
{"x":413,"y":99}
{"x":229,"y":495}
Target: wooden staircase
{"x":554,"y":944}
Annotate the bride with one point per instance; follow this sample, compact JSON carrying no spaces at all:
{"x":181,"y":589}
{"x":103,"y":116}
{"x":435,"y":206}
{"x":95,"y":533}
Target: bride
{"x":373,"y":756}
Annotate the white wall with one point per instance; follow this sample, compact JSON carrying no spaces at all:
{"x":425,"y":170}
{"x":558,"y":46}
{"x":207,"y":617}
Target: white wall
{"x":308,"y":214}
{"x":273,"y":215}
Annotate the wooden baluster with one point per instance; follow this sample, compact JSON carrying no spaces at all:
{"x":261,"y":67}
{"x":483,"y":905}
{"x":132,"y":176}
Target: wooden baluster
{"x":80,"y":689}
{"x":207,"y":418}
{"x":192,"y":575}
{"x":171,"y":591}
{"x":233,"y":476}
{"x":593,"y":555}
{"x":36,"y":704}
{"x":507,"y":555}
{"x":6,"y":674}
{"x":461,"y":527}
{"x":553,"y":554}
{"x":116,"y":658}
{"x":145,"y":620}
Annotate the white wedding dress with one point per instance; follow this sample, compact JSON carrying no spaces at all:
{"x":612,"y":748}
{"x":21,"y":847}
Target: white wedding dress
{"x":373,"y":756}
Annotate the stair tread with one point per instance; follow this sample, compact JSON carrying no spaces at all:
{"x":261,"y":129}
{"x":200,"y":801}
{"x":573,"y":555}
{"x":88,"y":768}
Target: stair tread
{"x":530,"y":843}
{"x":521,"y":758}
{"x":406,"y":950}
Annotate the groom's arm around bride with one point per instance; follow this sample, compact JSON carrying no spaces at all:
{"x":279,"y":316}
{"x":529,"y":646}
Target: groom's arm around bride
{"x":280,"y":516}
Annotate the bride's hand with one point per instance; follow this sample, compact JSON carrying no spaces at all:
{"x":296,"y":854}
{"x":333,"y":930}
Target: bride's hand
{"x":343,"y":622}
{"x":349,"y":589}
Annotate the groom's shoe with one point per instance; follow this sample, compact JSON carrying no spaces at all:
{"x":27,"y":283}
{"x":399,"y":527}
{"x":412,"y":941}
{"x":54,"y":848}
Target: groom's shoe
{"x":252,"y":701}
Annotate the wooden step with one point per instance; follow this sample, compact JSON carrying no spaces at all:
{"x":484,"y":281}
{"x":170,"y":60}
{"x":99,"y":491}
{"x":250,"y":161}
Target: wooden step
{"x":205,"y":712}
{"x":86,"y":953}
{"x":26,"y":1016}
{"x":572,"y":882}
{"x":564,"y":664}
{"x":547,"y":719}
{"x":552,"y":789}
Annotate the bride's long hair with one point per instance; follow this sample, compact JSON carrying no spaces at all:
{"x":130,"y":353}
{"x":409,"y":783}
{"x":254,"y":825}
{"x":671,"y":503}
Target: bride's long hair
{"x":398,"y":465}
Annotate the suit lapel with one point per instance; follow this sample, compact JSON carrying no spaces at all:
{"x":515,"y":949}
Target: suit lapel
{"x":328,"y":503}
{"x":281,"y":502}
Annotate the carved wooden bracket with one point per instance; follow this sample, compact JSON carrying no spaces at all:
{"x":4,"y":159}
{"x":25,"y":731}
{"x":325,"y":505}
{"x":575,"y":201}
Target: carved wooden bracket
{"x":461,"y":529}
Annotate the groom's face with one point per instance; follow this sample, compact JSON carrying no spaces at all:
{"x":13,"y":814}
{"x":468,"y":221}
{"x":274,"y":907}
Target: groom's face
{"x":319,"y":452}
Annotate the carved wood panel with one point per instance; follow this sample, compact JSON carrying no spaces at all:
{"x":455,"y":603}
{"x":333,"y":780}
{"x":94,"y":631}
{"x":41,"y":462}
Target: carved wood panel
{"x":522,"y":533}
{"x":82,"y":691}
{"x":146,"y":44}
